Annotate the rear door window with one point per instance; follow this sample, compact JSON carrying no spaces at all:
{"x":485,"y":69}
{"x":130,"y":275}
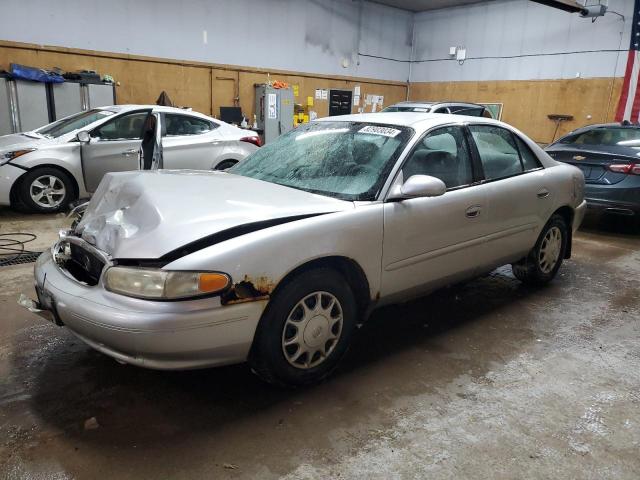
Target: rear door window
{"x":498,"y":151}
{"x":470,"y":111}
{"x":176,"y":125}
{"x":529,"y":159}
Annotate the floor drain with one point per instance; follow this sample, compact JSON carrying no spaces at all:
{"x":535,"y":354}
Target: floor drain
{"x":20,"y":259}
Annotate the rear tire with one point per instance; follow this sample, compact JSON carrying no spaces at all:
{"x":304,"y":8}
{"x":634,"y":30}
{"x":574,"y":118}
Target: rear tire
{"x":541,"y":265}
{"x":46,"y":190}
{"x":305,"y":330}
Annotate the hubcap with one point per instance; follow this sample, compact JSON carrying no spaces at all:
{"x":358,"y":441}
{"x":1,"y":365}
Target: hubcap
{"x":550,"y":250}
{"x":47,"y":191}
{"x":312,"y":330}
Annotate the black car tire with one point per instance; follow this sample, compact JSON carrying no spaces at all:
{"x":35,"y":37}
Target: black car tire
{"x":533,"y":269}
{"x":270,"y":359}
{"x":61,"y":179}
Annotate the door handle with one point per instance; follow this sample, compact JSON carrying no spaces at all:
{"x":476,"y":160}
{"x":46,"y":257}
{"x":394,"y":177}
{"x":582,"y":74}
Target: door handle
{"x":473,"y":211}
{"x":544,"y":193}
{"x":131,"y":151}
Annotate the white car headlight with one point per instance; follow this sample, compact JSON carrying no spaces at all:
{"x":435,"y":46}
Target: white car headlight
{"x":8,"y":156}
{"x":154,"y":284}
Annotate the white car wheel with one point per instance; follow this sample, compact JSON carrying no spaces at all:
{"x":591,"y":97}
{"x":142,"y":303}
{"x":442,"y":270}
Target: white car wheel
{"x":312,"y":330}
{"x":305,"y":330}
{"x":47,"y":191}
{"x":545,"y":258}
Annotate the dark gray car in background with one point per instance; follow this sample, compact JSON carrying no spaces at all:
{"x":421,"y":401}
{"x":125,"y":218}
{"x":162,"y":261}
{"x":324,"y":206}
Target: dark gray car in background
{"x":609,"y":156}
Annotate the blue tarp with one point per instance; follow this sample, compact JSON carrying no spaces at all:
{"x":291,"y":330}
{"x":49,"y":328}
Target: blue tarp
{"x":35,"y":74}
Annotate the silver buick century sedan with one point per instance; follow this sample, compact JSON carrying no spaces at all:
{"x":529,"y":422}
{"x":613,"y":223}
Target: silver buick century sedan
{"x":44,"y":170}
{"x":276,"y":260}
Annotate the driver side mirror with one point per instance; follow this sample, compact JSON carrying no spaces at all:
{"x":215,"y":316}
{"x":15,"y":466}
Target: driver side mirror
{"x":418,"y":186}
{"x":83,"y":137}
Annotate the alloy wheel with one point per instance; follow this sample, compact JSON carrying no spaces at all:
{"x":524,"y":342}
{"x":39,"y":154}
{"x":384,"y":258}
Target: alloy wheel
{"x":47,"y":191}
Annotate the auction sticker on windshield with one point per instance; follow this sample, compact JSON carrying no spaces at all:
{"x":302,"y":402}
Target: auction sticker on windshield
{"x":384,"y":131}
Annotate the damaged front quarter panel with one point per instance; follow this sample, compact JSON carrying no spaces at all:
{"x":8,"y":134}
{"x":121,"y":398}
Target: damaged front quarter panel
{"x":248,"y":290}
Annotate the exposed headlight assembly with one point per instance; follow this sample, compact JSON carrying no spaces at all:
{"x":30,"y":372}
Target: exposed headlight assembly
{"x":154,"y":284}
{"x":8,"y":156}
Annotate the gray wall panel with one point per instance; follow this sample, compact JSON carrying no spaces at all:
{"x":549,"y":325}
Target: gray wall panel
{"x":32,"y":103}
{"x":300,"y":35}
{"x":5,"y":114}
{"x":528,"y":32}
{"x":66,"y":99}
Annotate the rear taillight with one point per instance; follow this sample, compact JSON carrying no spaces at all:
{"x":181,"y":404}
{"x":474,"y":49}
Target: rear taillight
{"x":255,"y":140}
{"x":628,"y":168}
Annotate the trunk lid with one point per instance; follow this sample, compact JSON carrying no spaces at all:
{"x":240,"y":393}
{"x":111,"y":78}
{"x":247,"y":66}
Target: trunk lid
{"x":147,"y":214}
{"x":594,"y":160}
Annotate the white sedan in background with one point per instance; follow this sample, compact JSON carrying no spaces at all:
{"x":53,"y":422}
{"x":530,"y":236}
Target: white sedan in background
{"x":44,"y":170}
{"x":278,"y":259}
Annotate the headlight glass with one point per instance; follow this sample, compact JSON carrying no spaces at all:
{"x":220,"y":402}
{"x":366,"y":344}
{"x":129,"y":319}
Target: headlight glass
{"x":157,"y":284}
{"x":8,"y":156}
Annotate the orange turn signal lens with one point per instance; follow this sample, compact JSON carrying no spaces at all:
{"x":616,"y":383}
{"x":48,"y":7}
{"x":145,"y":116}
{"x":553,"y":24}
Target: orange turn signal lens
{"x":212,"y":282}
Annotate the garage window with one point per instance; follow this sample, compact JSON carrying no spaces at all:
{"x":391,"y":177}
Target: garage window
{"x":498,"y":151}
{"x":180,"y":125}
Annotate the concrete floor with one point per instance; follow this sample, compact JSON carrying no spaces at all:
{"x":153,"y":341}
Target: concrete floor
{"x":485,"y":380}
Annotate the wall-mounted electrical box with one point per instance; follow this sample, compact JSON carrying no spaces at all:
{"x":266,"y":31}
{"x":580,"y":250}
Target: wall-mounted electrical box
{"x":274,"y":111}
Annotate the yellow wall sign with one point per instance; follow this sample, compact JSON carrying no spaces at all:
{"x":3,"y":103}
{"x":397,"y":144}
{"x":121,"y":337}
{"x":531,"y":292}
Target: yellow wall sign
{"x":310,"y":101}
{"x":296,"y":90}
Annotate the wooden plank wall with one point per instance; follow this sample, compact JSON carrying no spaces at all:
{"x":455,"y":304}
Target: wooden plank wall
{"x":528,"y":102}
{"x":204,"y":87}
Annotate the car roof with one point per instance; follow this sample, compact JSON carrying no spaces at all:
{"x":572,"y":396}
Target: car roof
{"x":158,"y":108}
{"x":418,"y":121}
{"x":594,"y":126}
{"x":606,"y":125}
{"x":416,"y":103}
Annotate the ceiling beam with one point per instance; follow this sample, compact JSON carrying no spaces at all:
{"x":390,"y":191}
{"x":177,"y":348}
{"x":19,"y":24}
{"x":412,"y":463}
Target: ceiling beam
{"x":566,"y":5}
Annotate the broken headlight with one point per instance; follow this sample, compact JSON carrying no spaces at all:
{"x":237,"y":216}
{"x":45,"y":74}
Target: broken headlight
{"x":155,"y":284}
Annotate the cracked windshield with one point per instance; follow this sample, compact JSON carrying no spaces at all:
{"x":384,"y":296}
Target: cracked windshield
{"x":345,"y":160}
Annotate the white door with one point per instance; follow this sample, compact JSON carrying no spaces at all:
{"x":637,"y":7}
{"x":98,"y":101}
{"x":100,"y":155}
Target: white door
{"x":191,"y":142}
{"x":429,"y":242}
{"x":113,"y":147}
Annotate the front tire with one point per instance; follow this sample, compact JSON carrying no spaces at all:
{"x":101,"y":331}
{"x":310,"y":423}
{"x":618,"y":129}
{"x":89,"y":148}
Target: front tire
{"x":46,"y":190}
{"x":305,"y":330}
{"x":544,"y":260}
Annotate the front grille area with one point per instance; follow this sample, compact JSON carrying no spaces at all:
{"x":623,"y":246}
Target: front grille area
{"x":84,"y":265}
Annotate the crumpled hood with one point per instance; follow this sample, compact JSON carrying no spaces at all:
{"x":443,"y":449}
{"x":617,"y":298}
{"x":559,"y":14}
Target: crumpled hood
{"x":147,"y":214}
{"x":17,"y":141}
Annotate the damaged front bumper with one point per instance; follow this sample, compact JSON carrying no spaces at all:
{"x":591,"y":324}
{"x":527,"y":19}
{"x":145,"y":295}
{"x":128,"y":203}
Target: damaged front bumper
{"x":153,"y":334}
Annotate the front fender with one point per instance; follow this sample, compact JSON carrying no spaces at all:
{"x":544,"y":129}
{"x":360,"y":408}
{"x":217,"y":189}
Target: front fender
{"x":258,"y":261}
{"x":67,"y":158}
